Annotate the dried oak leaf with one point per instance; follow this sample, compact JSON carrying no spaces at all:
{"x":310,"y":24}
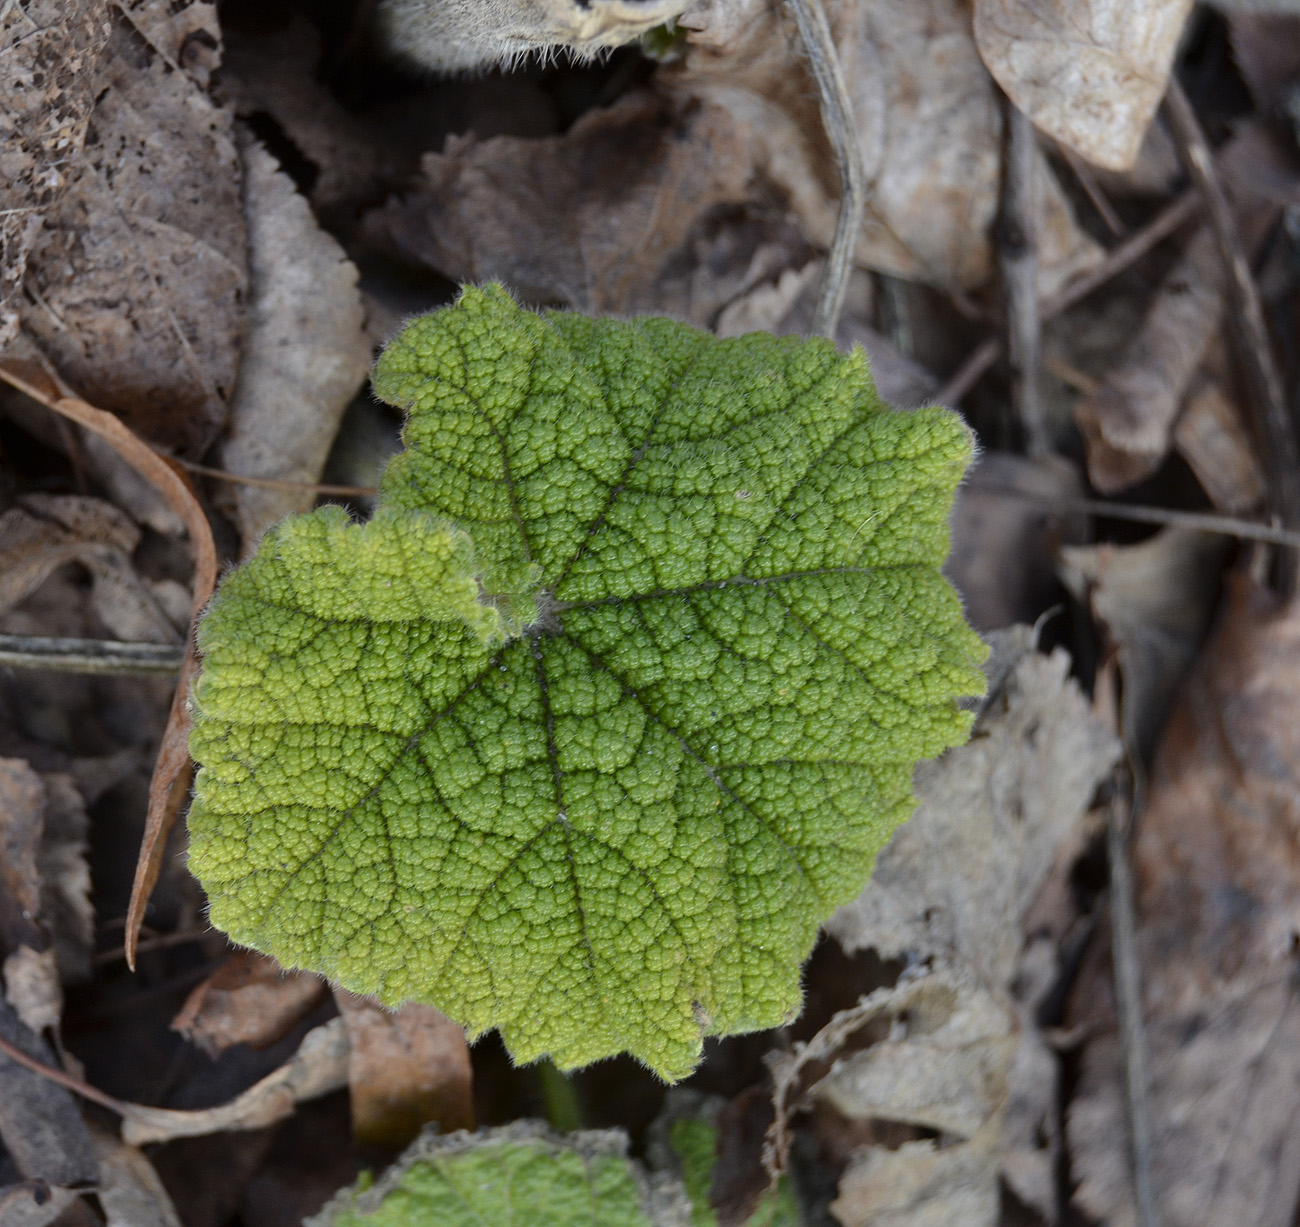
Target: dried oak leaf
{"x":1218,"y":898}
{"x":1088,"y":72}
{"x":408,"y":1067}
{"x":135,"y":286}
{"x":48,"y":50}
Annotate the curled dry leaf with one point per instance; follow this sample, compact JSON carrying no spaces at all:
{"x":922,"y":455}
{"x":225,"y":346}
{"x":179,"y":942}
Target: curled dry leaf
{"x":1004,"y":807}
{"x":318,"y":1067}
{"x":1211,"y":436}
{"x":409,"y":1067}
{"x":1218,"y":880}
{"x":129,"y":1190}
{"x":929,"y":126}
{"x":1155,"y":601}
{"x":40,"y":1123}
{"x":1127,"y":421}
{"x":250,"y":999}
{"x":1088,"y":72}
{"x":306,"y":356}
{"x":48,"y":49}
{"x":135,"y":286}
{"x":46,"y":531}
{"x":674,"y":199}
{"x":1005,"y":535}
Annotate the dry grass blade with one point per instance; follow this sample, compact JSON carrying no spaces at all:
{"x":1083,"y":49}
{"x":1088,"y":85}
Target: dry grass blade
{"x":172,"y":770}
{"x":837,"y":116}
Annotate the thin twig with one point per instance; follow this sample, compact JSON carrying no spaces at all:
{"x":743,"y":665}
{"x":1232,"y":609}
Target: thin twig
{"x":1267,"y":396}
{"x":1092,"y":189}
{"x":1115,"y":262}
{"x":1018,"y":256}
{"x":91,"y":656}
{"x":837,"y":117}
{"x":1200,"y":521}
{"x":1128,"y":1003}
{"x":277,"y":483}
{"x":75,"y":1085}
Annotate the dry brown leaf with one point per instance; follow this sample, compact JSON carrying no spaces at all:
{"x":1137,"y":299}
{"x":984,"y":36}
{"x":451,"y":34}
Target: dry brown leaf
{"x":943,"y":1065}
{"x":40,"y":1124}
{"x":276,"y":74}
{"x":47,"y":531}
{"x":686,"y":196}
{"x":319,"y":1067}
{"x":1127,"y":421}
{"x":1004,"y":545}
{"x":250,"y":999}
{"x":22,"y":812}
{"x":1155,"y":601}
{"x":135,"y":287}
{"x":961,"y":1053}
{"x":928,"y":121}
{"x":48,"y":49}
{"x":171,"y":775}
{"x":613,"y":216}
{"x":409,"y":1067}
{"x":306,"y":356}
{"x":999,"y":807}
{"x":1218,"y":899}
{"x":129,"y":1190}
{"x":1088,"y":72}
{"x":1210,"y":435}
{"x":921,"y":1185}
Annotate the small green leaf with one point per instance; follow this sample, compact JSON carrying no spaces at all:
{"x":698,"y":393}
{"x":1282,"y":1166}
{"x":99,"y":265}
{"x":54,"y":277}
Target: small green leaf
{"x":592,"y":765}
{"x":519,"y":1176}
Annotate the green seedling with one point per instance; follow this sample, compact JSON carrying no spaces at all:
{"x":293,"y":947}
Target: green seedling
{"x":615,"y":698}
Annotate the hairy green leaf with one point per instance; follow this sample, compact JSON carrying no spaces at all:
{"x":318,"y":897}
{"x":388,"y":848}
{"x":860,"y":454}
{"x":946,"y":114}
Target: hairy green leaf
{"x":614,"y":700}
{"x":519,"y":1176}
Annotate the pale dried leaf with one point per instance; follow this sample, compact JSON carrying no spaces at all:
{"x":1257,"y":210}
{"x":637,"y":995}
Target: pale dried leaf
{"x":45,"y":532}
{"x":306,"y":356}
{"x":62,"y":860}
{"x":409,"y":1067}
{"x":921,"y":1185}
{"x":1155,"y":600}
{"x":22,"y":814}
{"x":129,"y":1190}
{"x":1211,"y":436}
{"x":250,"y":999}
{"x":999,"y":807}
{"x":1127,"y":421}
{"x":135,"y":288}
{"x":31,"y":980}
{"x":40,"y":1123}
{"x":1218,"y":900}
{"x":943,"y":1065}
{"x":48,"y":50}
{"x":1005,"y":535}
{"x":318,"y":1067}
{"x":1088,"y":72}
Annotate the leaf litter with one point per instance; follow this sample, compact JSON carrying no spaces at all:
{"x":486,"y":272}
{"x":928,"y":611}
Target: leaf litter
{"x":209,"y":215}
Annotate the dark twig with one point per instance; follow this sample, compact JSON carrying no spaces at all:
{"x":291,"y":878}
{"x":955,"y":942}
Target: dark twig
{"x":76,"y":1085}
{"x":1116,"y":261}
{"x":1092,"y":189}
{"x":1199,"y":521}
{"x":1018,"y":255}
{"x":1267,"y":397}
{"x":95,"y":656}
{"x":837,"y":116}
{"x":1128,"y":1000}
{"x":276,"y":483}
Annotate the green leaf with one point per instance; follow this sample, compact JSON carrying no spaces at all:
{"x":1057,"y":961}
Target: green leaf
{"x":592,"y":765}
{"x":519,"y":1176}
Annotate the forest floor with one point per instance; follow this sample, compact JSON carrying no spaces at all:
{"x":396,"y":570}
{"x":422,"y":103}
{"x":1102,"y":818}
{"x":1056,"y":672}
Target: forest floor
{"x":1066,"y":997}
